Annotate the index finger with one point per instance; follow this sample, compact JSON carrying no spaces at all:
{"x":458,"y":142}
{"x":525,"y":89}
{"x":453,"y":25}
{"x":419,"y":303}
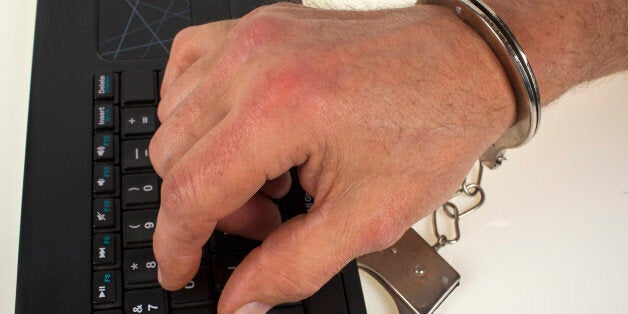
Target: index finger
{"x":216,"y":177}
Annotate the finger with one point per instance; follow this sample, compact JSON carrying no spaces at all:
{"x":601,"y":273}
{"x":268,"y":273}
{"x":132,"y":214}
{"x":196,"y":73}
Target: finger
{"x":218,"y":175}
{"x":186,"y":125}
{"x":255,"y":220}
{"x":300,"y":256}
{"x":189,"y":45}
{"x":188,"y":82}
{"x":278,"y":187}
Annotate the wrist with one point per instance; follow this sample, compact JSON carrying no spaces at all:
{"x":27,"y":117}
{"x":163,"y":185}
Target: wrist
{"x":567,"y":43}
{"x":490,"y":94}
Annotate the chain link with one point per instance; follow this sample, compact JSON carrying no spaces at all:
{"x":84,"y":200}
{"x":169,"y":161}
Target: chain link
{"x":471,"y":193}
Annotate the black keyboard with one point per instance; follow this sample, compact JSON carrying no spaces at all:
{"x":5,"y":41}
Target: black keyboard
{"x":124,"y":211}
{"x":91,"y":196}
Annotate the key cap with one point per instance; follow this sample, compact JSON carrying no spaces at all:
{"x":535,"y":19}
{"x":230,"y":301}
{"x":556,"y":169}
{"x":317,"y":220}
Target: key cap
{"x":105,"y":248}
{"x":105,"y":146}
{"x":135,"y":155}
{"x":420,"y":279}
{"x":140,"y":268}
{"x":329,"y":299}
{"x":223,"y":266}
{"x":195,"y":293}
{"x":106,"y":290}
{"x":139,"y":121}
{"x":104,"y":117}
{"x":160,"y":78}
{"x":138,"y":87}
{"x":139,"y":226}
{"x":105,"y":179}
{"x":140,"y":189}
{"x":221,"y":241}
{"x":105,"y":86}
{"x":104,"y":213}
{"x":145,"y":301}
{"x":294,"y":309}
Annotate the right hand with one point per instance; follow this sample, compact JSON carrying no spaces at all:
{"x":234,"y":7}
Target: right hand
{"x":383,"y":112}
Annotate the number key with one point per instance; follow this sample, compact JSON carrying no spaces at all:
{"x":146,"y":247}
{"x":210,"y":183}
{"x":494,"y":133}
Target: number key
{"x":138,"y":189}
{"x":145,"y":301}
{"x":140,"y":268}
{"x":195,"y":293}
{"x":139,"y":226}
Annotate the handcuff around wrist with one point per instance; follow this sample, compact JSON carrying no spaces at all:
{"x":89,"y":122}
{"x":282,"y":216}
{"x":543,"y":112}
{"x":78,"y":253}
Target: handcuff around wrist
{"x":416,"y":276}
{"x":507,"y":49}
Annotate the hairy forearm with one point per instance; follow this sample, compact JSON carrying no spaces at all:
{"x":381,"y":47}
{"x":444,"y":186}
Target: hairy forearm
{"x":568,"y":42}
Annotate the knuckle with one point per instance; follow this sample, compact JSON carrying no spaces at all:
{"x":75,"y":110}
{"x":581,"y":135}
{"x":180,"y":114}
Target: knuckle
{"x":178,"y":196}
{"x":163,"y":110}
{"x":261,"y":28}
{"x":183,"y":47}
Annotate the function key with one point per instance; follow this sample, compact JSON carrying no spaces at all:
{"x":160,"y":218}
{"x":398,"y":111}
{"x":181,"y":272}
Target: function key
{"x":105,"y":86}
{"x":140,"y":268}
{"x":195,"y":293}
{"x":105,"y":179}
{"x":140,"y":189}
{"x":139,"y":226}
{"x":139,"y":121}
{"x":135,"y":155}
{"x":105,"y":146}
{"x":145,"y":301}
{"x":106,"y":290}
{"x":105,"y":250}
{"x":138,"y":87}
{"x":104,"y":117}
{"x":104,"y":213}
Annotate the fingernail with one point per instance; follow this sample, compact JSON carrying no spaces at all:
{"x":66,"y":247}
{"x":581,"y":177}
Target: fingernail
{"x":253,"y":308}
{"x":159,"y":277}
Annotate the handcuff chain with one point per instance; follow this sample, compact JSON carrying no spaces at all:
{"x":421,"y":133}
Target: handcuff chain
{"x":470,"y":190}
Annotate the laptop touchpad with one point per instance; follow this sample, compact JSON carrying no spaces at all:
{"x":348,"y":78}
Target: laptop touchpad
{"x":140,"y":29}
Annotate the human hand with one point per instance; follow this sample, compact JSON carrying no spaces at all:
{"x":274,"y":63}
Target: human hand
{"x":384,"y":113}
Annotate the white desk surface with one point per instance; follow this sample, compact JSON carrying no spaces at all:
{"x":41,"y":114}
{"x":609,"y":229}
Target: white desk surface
{"x":551,"y":238}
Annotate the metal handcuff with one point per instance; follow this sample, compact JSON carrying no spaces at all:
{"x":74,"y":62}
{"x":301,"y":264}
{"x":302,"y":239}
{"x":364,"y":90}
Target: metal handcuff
{"x":411,"y":270}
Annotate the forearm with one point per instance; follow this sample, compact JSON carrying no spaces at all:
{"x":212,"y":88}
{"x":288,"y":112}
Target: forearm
{"x":568,"y":42}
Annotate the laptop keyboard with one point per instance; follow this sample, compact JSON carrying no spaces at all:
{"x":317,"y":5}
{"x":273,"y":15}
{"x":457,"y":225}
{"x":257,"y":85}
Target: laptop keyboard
{"x":125,"y":206}
{"x":104,"y":107}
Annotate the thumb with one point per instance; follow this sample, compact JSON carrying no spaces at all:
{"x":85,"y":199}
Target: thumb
{"x":303,"y":254}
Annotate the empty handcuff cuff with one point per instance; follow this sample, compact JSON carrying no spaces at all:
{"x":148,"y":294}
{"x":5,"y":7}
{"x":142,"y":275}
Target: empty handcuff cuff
{"x":404,"y":269}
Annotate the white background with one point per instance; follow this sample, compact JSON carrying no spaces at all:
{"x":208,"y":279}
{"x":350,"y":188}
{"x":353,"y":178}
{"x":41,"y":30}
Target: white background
{"x":551,"y":238}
